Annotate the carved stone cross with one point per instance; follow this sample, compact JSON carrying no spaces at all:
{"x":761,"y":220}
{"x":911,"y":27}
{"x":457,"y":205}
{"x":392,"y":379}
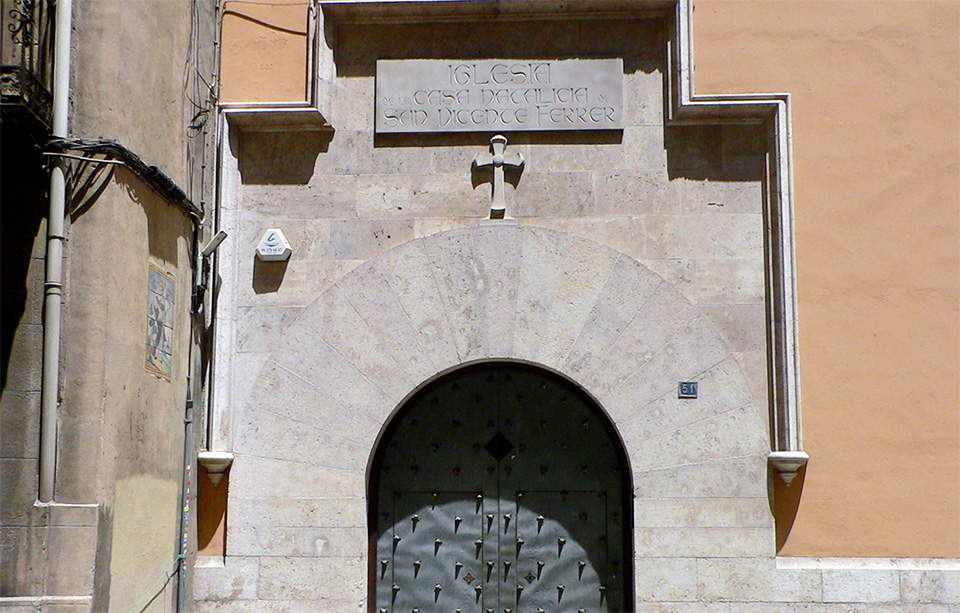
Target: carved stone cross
{"x":498,"y":159}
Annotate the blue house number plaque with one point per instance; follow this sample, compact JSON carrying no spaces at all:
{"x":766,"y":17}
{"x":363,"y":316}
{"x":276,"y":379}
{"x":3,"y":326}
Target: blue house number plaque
{"x":687,"y":389}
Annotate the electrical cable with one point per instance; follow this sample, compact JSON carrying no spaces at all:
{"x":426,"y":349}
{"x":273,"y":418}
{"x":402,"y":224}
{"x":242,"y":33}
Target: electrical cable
{"x":154,"y":177}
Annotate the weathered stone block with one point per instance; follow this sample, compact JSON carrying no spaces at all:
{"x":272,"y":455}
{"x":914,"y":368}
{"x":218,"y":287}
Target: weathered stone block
{"x":754,"y":365}
{"x":703,"y":542}
{"x":547,"y":194}
{"x":930,"y":586}
{"x":865,"y":585}
{"x":662,"y":315}
{"x":561,"y":278}
{"x":410,"y":274}
{"x":635,"y":193}
{"x":369,"y":292}
{"x":341,"y":512}
{"x":734,"y":433}
{"x":713,"y":280}
{"x":246,"y":367}
{"x":26,"y":354}
{"x":645,"y":151}
{"x":270,"y":478}
{"x":301,"y":283}
{"x":699,"y":236}
{"x":298,"y":541}
{"x":702,"y":513}
{"x":683,"y":607}
{"x":336,"y":377}
{"x":722,"y":389}
{"x":332,"y":197}
{"x":71,"y":558}
{"x":688,"y":353}
{"x":741,"y":579}
{"x":572,"y":153}
{"x":643,"y":92}
{"x":236,"y":580}
{"x":730,"y":477}
{"x":340,"y":578}
{"x":269,"y":435}
{"x":24,"y":558}
{"x":67,"y":514}
{"x":33,"y":308}
{"x":353,"y":104}
{"x":418,"y":196}
{"x":20,"y":424}
{"x":18,"y":482}
{"x":364,"y":238}
{"x":496,"y":254}
{"x":334,"y":321}
{"x":713,"y":197}
{"x":280,"y":606}
{"x":426,"y":227}
{"x":666,"y":579}
{"x":476,"y":272}
{"x":742,"y":326}
{"x":260,"y":328}
{"x":281,"y":392}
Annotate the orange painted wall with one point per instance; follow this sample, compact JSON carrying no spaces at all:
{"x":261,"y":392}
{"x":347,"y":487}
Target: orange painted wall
{"x":875,"y":89}
{"x":264,"y":55}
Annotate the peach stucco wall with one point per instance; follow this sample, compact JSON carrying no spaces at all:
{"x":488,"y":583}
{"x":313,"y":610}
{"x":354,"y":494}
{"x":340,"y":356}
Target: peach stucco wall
{"x":875,"y":140}
{"x":264,"y":51}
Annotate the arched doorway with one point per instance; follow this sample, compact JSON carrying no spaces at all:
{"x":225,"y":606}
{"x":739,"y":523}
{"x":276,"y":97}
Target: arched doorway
{"x":501,"y":487}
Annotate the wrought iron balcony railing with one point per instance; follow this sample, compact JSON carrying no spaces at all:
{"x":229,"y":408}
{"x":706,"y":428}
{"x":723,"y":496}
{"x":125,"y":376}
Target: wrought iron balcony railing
{"x":26,"y":52}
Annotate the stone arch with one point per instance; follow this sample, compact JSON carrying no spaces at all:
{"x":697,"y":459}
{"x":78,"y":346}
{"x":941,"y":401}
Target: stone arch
{"x":500,"y":292}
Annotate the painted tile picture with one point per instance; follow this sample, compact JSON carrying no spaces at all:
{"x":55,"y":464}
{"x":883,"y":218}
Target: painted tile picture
{"x":159,"y":353}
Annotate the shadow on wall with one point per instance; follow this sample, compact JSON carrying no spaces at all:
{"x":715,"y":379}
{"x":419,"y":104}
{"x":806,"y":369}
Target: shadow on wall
{"x":357,"y":47}
{"x":211,"y":514}
{"x":786,"y":503}
{"x":87,"y":182}
{"x":24,"y":181}
{"x":267,"y":276}
{"x":731,"y":152}
{"x":165,"y":222}
{"x":281,"y":158}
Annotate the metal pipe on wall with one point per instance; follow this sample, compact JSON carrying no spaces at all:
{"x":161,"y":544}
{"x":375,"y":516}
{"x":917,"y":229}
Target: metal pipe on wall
{"x":53,"y":286}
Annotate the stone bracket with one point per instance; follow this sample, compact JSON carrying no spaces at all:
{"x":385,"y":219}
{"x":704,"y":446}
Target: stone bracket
{"x":216,"y":463}
{"x":788,"y":463}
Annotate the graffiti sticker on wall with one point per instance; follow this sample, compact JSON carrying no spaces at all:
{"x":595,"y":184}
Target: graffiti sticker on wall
{"x":159,"y":357}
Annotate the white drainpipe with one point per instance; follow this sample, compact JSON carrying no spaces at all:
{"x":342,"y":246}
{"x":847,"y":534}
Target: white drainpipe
{"x":53,"y":287}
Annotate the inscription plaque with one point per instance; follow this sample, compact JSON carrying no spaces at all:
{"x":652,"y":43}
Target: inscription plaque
{"x":498,"y":95}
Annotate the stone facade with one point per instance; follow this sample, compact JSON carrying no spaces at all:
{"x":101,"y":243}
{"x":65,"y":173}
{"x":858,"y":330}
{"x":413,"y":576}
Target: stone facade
{"x":627,"y":262}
